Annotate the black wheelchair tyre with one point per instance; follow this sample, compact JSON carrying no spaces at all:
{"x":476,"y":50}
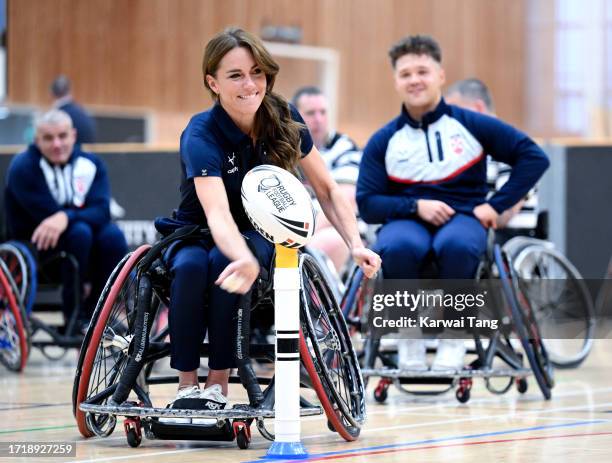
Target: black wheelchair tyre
{"x":538,"y":362}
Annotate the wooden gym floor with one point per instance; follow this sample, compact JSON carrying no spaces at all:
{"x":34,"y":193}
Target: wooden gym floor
{"x":576,"y":425}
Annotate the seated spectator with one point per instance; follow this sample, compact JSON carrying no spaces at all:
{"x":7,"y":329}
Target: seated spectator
{"x":423,"y":176}
{"x":57,"y":197}
{"x":341,"y":156}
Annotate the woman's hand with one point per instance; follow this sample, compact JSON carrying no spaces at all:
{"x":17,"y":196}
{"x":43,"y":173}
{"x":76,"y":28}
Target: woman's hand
{"x":239,"y":276}
{"x":367,"y":259}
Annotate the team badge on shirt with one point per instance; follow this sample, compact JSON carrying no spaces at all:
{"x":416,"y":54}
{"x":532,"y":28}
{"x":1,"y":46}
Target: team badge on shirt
{"x":456,"y":142}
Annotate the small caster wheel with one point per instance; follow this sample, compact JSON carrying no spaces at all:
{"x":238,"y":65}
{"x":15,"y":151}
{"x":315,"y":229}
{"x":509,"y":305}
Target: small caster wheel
{"x":380,"y":393}
{"x":521,"y":385}
{"x":243,"y":434}
{"x":133,"y":438}
{"x":133,"y":431}
{"x":463,"y":395}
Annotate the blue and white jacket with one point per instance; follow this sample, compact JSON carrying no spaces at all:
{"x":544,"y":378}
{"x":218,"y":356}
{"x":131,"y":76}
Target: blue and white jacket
{"x":443,"y":158}
{"x":36,"y":189}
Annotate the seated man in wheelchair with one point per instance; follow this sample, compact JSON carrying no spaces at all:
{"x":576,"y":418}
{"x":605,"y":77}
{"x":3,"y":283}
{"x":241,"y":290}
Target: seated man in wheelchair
{"x":423,"y":176}
{"x":249,"y":125}
{"x":57,"y":198}
{"x":342,"y":157}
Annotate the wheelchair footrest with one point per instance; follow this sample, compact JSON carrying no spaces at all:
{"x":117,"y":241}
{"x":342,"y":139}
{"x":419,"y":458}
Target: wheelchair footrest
{"x":238,"y":411}
{"x":477,"y":373}
{"x":188,"y":431}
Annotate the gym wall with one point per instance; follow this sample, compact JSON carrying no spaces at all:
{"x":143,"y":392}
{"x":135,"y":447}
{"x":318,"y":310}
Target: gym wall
{"x":148,"y":53}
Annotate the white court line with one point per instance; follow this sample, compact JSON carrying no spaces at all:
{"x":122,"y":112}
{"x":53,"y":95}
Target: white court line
{"x":407,"y":426}
{"x":479,"y":418}
{"x":126,"y":457}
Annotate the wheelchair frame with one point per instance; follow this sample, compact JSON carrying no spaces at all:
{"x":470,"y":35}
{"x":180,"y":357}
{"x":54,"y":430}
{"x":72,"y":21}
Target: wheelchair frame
{"x":97,"y":402}
{"x":517,"y":311}
{"x":14,"y":332}
{"x":24,"y":269}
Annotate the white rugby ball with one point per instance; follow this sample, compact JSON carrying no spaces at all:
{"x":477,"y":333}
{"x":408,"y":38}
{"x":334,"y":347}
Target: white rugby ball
{"x":278,"y":206}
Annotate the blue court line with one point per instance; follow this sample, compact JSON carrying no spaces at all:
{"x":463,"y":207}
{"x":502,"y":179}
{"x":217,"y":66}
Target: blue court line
{"x":433,"y":441}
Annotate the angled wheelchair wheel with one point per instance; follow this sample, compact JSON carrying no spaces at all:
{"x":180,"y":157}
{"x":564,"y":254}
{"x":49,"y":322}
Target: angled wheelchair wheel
{"x":328,"y":355}
{"x":561,"y":302}
{"x":22,"y":266}
{"x":525,"y":324}
{"x":104,"y":352}
{"x":13,"y":328}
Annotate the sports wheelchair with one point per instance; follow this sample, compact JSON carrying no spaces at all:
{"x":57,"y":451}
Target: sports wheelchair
{"x":37,"y":284}
{"x":14,"y":333}
{"x":511,"y":307}
{"x":115,"y":373}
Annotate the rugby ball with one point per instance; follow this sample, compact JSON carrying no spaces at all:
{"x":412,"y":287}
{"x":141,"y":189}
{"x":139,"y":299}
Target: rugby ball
{"x":278,"y":206}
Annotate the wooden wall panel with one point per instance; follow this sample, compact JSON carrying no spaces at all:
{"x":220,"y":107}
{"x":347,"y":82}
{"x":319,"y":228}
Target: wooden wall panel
{"x":147,"y":53}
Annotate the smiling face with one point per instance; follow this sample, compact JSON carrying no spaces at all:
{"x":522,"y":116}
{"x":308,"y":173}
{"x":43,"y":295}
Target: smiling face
{"x":239,"y":83}
{"x":418,"y":81}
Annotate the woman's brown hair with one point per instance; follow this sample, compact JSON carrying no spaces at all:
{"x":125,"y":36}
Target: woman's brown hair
{"x":273,"y":122}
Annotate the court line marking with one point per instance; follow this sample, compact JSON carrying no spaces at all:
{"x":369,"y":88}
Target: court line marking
{"x":430,"y":447}
{"x":472,"y":418}
{"x":43,"y":428}
{"x":496,"y":417}
{"x":353,"y":452}
{"x":145,"y":455}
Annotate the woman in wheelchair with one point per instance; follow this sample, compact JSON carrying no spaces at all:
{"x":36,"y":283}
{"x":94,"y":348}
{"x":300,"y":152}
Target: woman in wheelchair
{"x":249,"y":125}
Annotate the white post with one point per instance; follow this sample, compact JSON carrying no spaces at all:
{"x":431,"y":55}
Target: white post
{"x":287,"y":444}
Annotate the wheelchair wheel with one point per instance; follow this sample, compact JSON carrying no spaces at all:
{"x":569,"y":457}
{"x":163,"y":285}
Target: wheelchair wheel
{"x":328,"y":355}
{"x":525,"y":324}
{"x":329,"y":271}
{"x":21,"y":264}
{"x":561,"y":303}
{"x":104,"y":352}
{"x":13,"y":329}
{"x":357,"y":299}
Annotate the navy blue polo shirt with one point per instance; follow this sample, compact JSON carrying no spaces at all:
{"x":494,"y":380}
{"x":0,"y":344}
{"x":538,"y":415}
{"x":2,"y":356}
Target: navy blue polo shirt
{"x":213,"y":146}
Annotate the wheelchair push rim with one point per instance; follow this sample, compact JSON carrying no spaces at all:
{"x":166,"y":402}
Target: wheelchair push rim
{"x":574,"y":302}
{"x":21,"y":264}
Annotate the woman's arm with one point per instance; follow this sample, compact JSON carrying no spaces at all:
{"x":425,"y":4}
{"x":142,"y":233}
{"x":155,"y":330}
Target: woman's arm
{"x":243,"y":270}
{"x":338,"y":210}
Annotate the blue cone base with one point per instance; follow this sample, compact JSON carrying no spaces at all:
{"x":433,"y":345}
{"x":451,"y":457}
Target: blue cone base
{"x":286,"y":451}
